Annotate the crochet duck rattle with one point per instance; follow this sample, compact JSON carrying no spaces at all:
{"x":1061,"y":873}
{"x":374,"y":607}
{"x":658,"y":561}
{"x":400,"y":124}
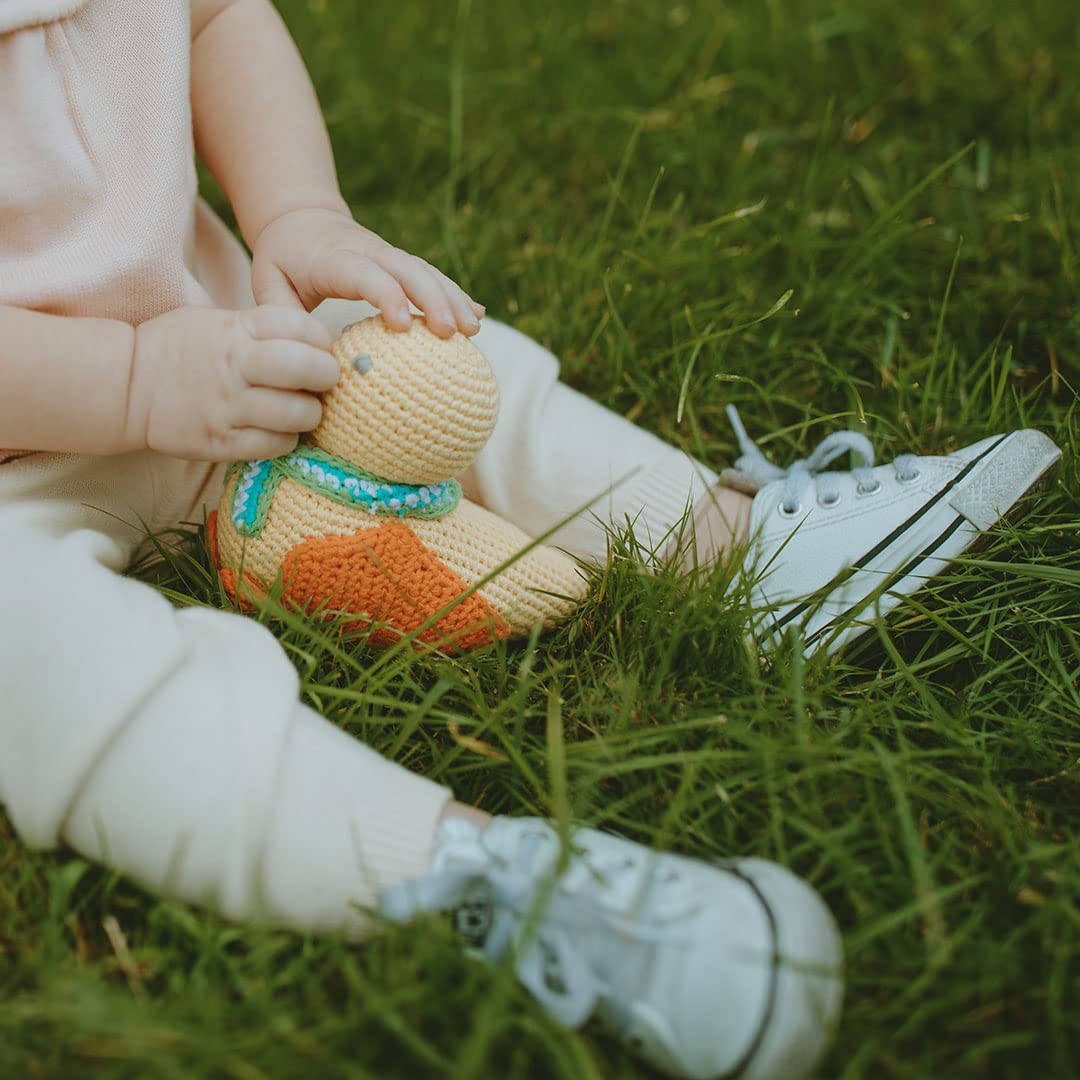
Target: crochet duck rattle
{"x":365,"y":516}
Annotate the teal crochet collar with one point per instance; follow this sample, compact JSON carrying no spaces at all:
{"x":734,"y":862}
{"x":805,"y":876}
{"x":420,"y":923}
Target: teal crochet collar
{"x":334,"y":478}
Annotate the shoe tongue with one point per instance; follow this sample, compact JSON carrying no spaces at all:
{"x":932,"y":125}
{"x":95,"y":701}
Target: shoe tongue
{"x":739,"y":481}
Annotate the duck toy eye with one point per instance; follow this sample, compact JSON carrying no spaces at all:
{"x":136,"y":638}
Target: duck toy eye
{"x":362,"y":363}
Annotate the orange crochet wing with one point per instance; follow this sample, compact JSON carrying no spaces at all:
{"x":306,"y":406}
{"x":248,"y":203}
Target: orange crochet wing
{"x":385,"y":574}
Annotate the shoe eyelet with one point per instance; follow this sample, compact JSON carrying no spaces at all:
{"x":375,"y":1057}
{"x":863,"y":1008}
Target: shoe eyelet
{"x":828,"y":504}
{"x":873,"y":489}
{"x":908,"y":478}
{"x":784,"y":512}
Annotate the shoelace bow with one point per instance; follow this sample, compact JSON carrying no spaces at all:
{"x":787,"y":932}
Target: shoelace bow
{"x":797,"y":476}
{"x":552,"y":955}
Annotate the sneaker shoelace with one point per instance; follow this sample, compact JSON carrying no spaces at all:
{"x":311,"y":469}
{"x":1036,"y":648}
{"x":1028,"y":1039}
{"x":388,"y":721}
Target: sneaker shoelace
{"x":798,"y":475}
{"x":552,"y":926}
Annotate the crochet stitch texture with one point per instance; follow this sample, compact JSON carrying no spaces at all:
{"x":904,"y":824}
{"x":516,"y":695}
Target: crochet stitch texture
{"x":334,"y":478}
{"x":420,"y":414}
{"x":362,"y":519}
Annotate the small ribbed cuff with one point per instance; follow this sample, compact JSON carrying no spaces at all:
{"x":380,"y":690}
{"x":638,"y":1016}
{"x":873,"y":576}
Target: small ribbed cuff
{"x":657,"y":498}
{"x":394,"y":819}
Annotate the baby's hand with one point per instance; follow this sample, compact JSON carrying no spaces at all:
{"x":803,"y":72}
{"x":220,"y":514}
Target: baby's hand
{"x":309,"y":255}
{"x":215,"y":385}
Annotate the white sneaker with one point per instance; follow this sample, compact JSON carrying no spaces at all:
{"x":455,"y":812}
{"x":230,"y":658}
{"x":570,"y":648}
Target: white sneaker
{"x":725,"y":970}
{"x":829,"y":547}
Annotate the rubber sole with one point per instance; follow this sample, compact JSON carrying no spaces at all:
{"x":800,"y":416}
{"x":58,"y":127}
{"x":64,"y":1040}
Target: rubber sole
{"x":1030,"y":459}
{"x":808,"y":976}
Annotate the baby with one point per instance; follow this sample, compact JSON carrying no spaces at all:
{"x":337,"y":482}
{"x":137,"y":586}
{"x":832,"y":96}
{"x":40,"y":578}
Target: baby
{"x":140,"y":350}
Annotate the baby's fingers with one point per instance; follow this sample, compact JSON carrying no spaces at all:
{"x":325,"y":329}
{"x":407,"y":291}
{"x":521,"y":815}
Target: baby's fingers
{"x":425,"y":288}
{"x":290,"y":324}
{"x":287,"y":365}
{"x":466,"y":310}
{"x":254,"y":444}
{"x":351,"y":276}
{"x":278,"y":410}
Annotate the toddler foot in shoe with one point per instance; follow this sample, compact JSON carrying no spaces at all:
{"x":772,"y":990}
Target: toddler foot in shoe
{"x":829,"y":551}
{"x":705,"y":970}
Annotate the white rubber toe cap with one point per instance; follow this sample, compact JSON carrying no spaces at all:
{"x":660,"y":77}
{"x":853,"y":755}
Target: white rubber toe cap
{"x":756,"y":992}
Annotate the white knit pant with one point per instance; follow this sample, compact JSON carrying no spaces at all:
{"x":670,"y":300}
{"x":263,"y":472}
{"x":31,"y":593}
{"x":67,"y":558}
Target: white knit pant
{"x":171,"y":745}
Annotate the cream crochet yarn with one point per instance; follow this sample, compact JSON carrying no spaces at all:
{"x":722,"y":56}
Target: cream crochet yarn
{"x":420,"y":412}
{"x":365,"y":518}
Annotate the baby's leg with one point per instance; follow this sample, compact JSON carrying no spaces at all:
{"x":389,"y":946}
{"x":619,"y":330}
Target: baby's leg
{"x":554,"y":450}
{"x":171,"y":744}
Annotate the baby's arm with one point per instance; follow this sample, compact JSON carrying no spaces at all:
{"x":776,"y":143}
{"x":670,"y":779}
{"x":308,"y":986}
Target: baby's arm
{"x":260,"y":131}
{"x":196,"y":382}
{"x":63,"y":382}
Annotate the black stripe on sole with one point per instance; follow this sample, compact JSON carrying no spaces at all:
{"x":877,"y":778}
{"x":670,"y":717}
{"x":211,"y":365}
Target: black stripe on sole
{"x":900,"y":574}
{"x":881,"y":545}
{"x":746,"y":1060}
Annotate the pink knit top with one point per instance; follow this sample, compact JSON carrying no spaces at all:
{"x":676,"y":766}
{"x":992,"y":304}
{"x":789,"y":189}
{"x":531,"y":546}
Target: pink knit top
{"x":99,"y":212}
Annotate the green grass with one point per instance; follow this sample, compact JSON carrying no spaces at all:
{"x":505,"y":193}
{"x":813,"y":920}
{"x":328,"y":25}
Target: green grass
{"x":637,"y":185}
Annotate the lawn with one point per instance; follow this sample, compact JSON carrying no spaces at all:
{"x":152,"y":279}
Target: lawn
{"x":857,"y":214}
